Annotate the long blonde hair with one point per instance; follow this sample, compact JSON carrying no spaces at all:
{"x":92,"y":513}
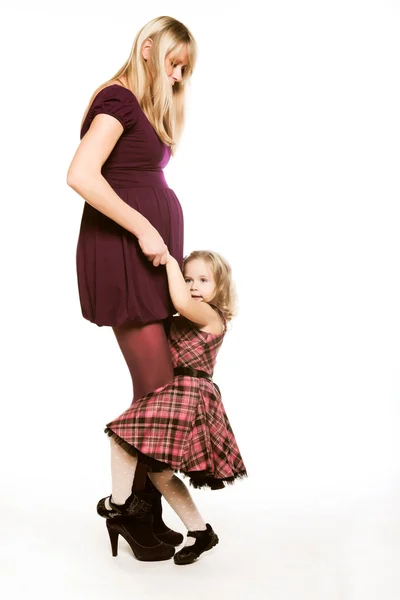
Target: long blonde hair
{"x":163,"y":104}
{"x":225,"y":297}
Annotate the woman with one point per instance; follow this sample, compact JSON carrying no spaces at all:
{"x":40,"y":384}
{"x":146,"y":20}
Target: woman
{"x":129,"y":131}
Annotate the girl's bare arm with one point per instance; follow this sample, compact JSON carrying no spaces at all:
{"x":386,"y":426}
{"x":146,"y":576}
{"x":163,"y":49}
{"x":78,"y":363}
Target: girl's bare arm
{"x":200,"y":313}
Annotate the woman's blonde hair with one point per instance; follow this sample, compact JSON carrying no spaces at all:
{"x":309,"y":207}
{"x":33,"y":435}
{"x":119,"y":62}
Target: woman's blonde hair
{"x":225,"y":293}
{"x":163,"y":104}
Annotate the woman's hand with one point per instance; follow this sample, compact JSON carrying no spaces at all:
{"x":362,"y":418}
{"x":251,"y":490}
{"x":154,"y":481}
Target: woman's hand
{"x":153,"y":246}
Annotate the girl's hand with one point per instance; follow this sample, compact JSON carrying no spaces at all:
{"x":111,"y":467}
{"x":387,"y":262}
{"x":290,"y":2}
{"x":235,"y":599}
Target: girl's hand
{"x":153,"y":246}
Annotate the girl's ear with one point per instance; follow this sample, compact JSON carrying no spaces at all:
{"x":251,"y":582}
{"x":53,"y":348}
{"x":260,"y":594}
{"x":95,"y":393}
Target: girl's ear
{"x":146,"y":48}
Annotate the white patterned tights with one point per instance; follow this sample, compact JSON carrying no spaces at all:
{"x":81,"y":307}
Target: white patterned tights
{"x":123,"y":467}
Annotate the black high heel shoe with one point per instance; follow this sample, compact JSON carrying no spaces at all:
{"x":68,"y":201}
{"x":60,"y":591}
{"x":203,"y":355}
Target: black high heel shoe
{"x":134,"y":521}
{"x":137,"y":532}
{"x":205,"y":540}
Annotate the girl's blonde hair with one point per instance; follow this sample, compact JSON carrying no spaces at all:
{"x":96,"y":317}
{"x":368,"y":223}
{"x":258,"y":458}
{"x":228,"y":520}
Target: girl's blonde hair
{"x":225,"y":293}
{"x":163,"y":104}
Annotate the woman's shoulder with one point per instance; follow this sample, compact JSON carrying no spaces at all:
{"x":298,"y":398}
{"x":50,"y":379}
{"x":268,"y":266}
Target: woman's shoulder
{"x":115,"y":100}
{"x":115,"y":88}
{"x":115,"y":94}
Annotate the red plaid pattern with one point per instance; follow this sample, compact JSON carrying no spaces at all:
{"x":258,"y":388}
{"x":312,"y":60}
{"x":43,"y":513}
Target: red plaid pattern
{"x":183,"y":423}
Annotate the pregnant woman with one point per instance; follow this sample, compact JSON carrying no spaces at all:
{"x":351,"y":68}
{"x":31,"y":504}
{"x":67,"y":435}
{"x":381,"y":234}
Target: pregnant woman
{"x":130,"y":218}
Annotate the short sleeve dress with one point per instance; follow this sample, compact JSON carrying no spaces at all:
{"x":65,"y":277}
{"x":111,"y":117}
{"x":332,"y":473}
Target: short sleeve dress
{"x":117,"y":283}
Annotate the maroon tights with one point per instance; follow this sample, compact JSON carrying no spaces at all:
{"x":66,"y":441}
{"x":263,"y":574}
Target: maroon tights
{"x":147,"y":354}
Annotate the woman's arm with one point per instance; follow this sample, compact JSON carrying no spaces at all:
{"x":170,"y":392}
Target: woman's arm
{"x":84,"y":176}
{"x":200,"y":313}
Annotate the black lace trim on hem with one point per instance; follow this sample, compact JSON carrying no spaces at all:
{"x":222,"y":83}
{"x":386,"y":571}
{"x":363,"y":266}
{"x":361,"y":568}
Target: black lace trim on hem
{"x":197,"y":479}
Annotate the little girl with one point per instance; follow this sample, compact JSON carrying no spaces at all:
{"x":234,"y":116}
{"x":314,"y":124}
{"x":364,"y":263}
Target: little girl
{"x":181,"y":426}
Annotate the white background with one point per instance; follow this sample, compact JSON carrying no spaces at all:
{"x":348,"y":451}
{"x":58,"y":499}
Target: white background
{"x":289,"y":167}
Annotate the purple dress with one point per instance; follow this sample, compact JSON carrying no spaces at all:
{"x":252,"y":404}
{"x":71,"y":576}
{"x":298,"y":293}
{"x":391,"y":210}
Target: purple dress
{"x":117,"y":283}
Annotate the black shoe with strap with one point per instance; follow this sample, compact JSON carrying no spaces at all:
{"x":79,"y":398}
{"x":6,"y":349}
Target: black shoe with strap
{"x":133,"y":505}
{"x":133,"y":520}
{"x":205,"y":540}
{"x":138,"y":533}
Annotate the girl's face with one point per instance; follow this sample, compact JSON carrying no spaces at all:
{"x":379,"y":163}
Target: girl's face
{"x":175,"y":65}
{"x":200,"y":280}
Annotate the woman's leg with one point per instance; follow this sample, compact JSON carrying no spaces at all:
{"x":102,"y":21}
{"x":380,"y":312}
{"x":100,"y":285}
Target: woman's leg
{"x":148,"y":357}
{"x":147,"y":354}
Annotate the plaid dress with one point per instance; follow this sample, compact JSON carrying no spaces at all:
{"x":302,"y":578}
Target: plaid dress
{"x":183,"y":425}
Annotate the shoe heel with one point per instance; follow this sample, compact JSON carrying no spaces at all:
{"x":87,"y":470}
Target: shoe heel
{"x":113,"y":539}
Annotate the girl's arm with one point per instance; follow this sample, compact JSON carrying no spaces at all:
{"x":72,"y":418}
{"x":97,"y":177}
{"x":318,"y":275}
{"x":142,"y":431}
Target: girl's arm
{"x":84,"y":176}
{"x":200,"y":313}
